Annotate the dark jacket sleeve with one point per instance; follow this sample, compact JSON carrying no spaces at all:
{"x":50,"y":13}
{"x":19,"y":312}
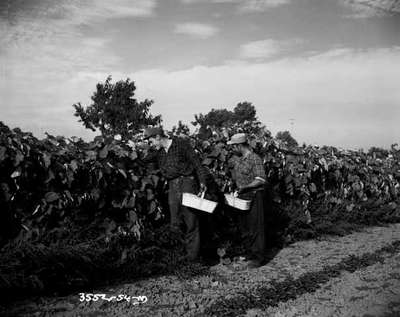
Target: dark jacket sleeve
{"x":192,"y":157}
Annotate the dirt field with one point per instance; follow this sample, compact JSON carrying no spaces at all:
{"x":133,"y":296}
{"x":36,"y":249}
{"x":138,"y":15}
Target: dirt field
{"x":354,"y":275}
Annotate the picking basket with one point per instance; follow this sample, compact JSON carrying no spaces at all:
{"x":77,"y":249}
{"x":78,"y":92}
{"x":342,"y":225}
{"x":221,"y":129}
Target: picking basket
{"x":196,"y":202}
{"x":237,"y":203}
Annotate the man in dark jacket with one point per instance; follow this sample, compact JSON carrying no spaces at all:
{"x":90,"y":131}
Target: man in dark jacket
{"x":181,"y":166}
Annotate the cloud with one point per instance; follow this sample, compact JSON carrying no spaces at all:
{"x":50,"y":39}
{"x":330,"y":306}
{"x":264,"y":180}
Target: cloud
{"x":245,"y":6}
{"x":342,"y":97}
{"x":43,"y":19}
{"x":265,"y":48}
{"x":260,"y":49}
{"x":260,"y":5}
{"x":42,"y":48}
{"x":94,"y":10}
{"x":208,"y":1}
{"x":199,"y":30}
{"x":371,"y":8}
{"x":45,"y":36}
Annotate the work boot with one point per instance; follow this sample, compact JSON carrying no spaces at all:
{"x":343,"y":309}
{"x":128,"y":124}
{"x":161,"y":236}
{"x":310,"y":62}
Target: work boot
{"x":253,"y":264}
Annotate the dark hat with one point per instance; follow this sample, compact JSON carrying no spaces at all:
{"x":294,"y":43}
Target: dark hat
{"x":152,"y":132}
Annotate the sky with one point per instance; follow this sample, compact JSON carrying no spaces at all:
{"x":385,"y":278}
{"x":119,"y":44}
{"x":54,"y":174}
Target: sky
{"x":328,"y":71}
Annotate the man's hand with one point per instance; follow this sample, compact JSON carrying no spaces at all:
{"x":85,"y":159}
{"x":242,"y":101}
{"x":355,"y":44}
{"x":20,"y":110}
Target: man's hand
{"x":240,"y":190}
{"x":203,"y":187}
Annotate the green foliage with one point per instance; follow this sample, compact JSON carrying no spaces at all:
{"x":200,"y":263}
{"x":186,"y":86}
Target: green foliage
{"x":287,"y":138}
{"x":243,"y":113}
{"x":115,"y":110}
{"x":181,"y":130}
{"x":58,"y":182}
{"x":378,"y":152}
{"x":62,"y":191}
{"x":55,"y":183}
{"x":215,"y":118}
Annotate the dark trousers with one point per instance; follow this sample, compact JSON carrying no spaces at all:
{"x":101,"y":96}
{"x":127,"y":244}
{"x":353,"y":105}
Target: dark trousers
{"x":185,"y":184}
{"x":253,"y":227}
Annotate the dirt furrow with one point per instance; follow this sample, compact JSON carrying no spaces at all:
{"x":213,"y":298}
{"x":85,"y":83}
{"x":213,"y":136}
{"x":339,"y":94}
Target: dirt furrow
{"x":175,"y":295}
{"x":372,"y":291}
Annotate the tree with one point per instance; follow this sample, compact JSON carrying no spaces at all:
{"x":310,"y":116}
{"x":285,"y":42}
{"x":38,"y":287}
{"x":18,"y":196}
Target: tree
{"x":286,"y":137}
{"x":241,"y":119}
{"x":181,"y":129}
{"x":215,"y":118}
{"x":244,"y":111}
{"x":115,"y":110}
{"x":218,"y":118}
{"x":378,"y":152}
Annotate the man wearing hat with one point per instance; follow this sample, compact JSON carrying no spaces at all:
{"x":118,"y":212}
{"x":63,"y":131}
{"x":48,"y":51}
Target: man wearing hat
{"x":250,"y":179}
{"x":181,"y":166}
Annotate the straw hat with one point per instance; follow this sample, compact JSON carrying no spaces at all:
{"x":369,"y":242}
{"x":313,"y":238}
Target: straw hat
{"x":238,"y":138}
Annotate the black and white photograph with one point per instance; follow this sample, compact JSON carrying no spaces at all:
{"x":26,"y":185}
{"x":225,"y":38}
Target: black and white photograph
{"x":227,"y":158}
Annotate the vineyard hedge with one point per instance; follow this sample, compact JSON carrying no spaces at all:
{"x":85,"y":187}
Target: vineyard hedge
{"x":75,"y":212}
